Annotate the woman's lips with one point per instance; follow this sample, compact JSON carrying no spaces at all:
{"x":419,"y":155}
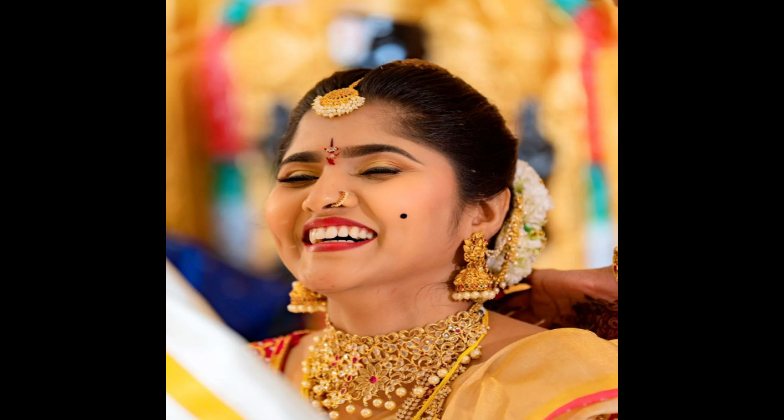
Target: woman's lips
{"x":335,"y":246}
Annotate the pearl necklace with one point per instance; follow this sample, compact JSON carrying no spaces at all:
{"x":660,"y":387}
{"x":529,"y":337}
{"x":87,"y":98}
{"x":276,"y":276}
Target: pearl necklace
{"x":344,"y":369}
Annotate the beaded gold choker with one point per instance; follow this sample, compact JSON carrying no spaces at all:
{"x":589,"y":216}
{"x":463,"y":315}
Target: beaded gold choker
{"x":343,"y":369}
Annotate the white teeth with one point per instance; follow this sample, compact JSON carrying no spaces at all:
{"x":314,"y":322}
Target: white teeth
{"x":331,"y":232}
{"x":343,"y":231}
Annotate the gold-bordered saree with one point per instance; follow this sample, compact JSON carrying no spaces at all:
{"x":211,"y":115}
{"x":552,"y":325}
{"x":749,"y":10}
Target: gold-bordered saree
{"x":562,"y":374}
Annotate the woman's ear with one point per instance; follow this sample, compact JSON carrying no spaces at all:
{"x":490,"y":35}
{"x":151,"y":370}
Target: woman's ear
{"x":490,"y":214}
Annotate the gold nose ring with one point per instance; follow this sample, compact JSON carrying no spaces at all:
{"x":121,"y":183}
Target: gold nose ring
{"x":344,"y":196}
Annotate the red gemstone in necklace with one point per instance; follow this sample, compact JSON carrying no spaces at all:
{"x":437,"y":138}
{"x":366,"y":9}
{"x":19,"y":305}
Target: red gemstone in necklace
{"x":373,"y":379}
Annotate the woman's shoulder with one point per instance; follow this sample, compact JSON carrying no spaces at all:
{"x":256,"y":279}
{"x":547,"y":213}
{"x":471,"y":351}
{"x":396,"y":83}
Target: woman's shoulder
{"x":276,"y":350}
{"x":572,"y":346}
{"x":504,"y":331}
{"x":510,"y":338}
{"x":568,"y":355}
{"x":556,"y":371}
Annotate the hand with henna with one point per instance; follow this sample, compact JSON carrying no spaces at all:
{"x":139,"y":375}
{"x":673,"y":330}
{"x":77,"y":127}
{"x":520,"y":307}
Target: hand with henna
{"x":585,"y":299}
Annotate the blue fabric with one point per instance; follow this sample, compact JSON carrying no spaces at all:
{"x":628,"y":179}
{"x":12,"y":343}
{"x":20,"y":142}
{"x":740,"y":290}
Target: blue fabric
{"x":237,"y":12}
{"x":599,"y":193}
{"x":253,"y":306}
{"x":571,"y":6}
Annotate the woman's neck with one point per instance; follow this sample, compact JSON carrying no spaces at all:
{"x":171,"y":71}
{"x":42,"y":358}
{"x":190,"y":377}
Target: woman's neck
{"x":391,"y":307}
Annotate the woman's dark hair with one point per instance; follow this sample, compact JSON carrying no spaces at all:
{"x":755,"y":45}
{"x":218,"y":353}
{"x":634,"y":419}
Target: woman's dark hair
{"x":438,"y":110}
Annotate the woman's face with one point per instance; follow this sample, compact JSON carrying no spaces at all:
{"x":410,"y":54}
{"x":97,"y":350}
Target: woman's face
{"x":385,"y":176}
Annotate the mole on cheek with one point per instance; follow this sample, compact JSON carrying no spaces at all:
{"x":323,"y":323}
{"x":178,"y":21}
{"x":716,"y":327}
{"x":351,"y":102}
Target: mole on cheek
{"x":403,"y":216}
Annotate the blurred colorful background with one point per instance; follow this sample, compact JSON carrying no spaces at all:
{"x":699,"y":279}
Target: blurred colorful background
{"x":235,"y":68}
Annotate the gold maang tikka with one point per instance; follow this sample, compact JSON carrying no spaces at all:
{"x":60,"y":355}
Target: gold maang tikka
{"x":475,"y":282}
{"x":304,"y":300}
{"x":338,"y":102}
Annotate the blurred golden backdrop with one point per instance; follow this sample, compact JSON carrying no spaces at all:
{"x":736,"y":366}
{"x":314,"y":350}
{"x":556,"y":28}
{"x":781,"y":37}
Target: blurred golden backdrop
{"x":561,"y":56}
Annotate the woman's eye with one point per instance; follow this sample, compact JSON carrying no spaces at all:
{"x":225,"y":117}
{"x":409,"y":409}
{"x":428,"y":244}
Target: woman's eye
{"x":298,"y":178}
{"x":381,"y":171}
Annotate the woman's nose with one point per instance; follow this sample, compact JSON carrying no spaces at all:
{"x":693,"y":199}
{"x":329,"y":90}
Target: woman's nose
{"x":328,"y":191}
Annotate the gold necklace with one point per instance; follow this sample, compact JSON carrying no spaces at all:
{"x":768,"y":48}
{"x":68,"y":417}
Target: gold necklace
{"x":343,"y":368}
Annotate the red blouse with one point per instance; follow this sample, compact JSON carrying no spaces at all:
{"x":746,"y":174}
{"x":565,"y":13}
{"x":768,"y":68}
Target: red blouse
{"x":276,"y":350}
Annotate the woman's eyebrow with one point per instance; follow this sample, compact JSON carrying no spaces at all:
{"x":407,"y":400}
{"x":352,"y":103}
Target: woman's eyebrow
{"x":349,"y":152}
{"x":369,"y":149}
{"x":306,"y":157}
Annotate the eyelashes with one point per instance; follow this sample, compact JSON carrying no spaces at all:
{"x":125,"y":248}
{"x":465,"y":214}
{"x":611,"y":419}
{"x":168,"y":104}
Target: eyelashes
{"x":381,"y":170}
{"x":298,"y":178}
{"x":378,"y":172}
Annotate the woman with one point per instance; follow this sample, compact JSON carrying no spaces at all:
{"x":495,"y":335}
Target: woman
{"x":382,"y":175}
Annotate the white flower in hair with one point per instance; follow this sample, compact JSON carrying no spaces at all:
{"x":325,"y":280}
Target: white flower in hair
{"x":531,"y":241}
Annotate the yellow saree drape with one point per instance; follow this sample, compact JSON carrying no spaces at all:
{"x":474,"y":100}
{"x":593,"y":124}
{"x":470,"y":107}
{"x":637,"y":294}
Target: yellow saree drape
{"x":559,"y":374}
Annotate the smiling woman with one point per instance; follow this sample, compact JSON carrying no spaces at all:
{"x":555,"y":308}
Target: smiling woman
{"x":372,"y":211}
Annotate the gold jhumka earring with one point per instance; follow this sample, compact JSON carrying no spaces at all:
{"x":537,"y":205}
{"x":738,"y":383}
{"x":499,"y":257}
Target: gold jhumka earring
{"x":475,"y":282}
{"x":304,"y":300}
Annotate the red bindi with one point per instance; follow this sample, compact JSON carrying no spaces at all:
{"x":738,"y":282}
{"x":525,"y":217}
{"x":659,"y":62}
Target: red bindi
{"x":333,"y":152}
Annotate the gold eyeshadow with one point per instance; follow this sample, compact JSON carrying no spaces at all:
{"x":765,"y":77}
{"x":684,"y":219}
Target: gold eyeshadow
{"x":376,"y":168}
